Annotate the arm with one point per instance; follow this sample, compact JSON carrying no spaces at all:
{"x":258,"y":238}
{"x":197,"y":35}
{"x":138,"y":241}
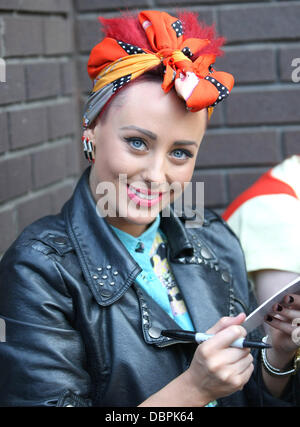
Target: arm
{"x":267,"y":282}
{"x":43,"y":357}
{"x":280,"y":328}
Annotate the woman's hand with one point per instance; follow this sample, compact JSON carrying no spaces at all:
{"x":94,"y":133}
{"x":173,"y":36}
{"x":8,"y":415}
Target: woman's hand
{"x":217,"y":369}
{"x":284,"y":333}
{"x":285,"y":329}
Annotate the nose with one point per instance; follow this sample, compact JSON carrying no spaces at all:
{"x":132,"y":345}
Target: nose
{"x":154,"y":173}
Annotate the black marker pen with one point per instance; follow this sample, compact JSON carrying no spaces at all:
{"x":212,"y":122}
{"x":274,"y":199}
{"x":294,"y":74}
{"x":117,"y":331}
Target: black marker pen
{"x":199,"y":337}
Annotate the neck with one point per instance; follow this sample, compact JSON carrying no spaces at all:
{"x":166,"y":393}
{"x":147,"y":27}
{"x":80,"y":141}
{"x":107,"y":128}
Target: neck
{"x":134,"y":230}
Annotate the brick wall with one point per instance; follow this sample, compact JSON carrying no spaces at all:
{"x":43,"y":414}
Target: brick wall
{"x":46,"y":43}
{"x":39,"y":153}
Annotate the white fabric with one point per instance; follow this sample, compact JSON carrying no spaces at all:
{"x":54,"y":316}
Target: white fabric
{"x":268,"y":226}
{"x":289,"y":172}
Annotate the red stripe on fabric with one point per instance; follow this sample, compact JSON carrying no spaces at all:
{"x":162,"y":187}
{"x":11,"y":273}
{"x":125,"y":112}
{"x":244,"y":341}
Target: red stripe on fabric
{"x":265,"y":185}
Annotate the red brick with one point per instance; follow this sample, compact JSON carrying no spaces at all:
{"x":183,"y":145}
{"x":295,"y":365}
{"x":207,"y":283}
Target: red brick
{"x":87,"y":6}
{"x":29,"y":127}
{"x":15,"y":177}
{"x":263,"y":106}
{"x":85,"y":82}
{"x":240,"y":181}
{"x":8,"y":231}
{"x":36,"y":6}
{"x":62,"y":118}
{"x":43,"y":80}
{"x":251,"y":65}
{"x":68,"y":78}
{"x":286,"y":56}
{"x":239,"y":148}
{"x":23,"y":36}
{"x":214,"y":188}
{"x":4,"y":133}
{"x":197,"y":2}
{"x":88,"y":34}
{"x":58,"y":36}
{"x":260,"y":22}
{"x":74,"y":153}
{"x":60,"y":195}
{"x":291,"y":142}
{"x":49,"y":165}
{"x":31,"y":209}
{"x":217,"y":118}
{"x":13,"y":90}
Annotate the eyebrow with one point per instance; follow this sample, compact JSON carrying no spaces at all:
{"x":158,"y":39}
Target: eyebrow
{"x":144,"y":131}
{"x":154,"y":136}
{"x":185,"y":143}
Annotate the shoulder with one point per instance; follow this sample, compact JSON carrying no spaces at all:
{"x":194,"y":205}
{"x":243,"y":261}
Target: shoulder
{"x":47,"y":236}
{"x":214,"y":227}
{"x":220,"y":240}
{"x":32,"y":272}
{"x":36,"y":254}
{"x":219,"y":253}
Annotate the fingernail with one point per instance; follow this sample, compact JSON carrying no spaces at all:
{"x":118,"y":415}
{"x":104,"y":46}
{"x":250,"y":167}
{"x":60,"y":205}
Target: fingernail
{"x":291,"y":299}
{"x":269,"y":318}
{"x":279,"y":307}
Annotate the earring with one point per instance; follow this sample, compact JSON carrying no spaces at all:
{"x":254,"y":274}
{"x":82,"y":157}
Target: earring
{"x":88,"y":149}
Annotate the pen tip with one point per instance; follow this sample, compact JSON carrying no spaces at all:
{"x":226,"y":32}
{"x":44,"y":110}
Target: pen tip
{"x":263,"y":345}
{"x":255,"y":344}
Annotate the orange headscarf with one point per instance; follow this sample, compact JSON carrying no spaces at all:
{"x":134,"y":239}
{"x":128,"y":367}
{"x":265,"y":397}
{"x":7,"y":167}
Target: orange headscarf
{"x":114,"y":63}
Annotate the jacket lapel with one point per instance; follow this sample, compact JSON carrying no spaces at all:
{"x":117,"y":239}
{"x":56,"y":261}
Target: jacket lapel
{"x":199,"y":283}
{"x":107,"y":266}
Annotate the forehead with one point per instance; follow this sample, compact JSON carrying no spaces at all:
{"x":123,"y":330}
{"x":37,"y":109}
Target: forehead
{"x":145,"y":103}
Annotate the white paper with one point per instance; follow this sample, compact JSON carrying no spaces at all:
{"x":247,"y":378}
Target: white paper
{"x":256,"y":318}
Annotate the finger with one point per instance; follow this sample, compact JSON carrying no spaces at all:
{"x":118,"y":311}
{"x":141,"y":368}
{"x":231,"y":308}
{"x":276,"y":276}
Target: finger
{"x":244,"y":376}
{"x":239,"y":374}
{"x":283,"y":326}
{"x":286,"y":312}
{"x":224,"y":338}
{"x":244,"y":364}
{"x":224,"y":322}
{"x":292,"y":300}
{"x":232,"y":355}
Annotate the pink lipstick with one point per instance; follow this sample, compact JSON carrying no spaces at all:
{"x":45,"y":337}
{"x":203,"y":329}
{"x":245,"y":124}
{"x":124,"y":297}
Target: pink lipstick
{"x":143,"y":197}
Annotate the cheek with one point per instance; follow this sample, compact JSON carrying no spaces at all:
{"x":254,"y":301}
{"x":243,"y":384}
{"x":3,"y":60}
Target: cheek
{"x":113,"y":160}
{"x":184,"y":174}
{"x":180,"y":179}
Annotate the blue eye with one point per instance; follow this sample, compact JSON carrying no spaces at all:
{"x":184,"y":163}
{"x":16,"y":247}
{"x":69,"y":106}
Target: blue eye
{"x":136,"y":143}
{"x":182,"y":154}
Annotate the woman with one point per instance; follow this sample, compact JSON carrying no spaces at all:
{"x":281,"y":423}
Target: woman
{"x":85,"y":294}
{"x":265,"y":217}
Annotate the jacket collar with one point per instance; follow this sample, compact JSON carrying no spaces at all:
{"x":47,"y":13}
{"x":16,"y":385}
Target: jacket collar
{"x":106,"y":264}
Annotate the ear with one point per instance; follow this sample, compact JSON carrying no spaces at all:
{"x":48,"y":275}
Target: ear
{"x":89,"y":133}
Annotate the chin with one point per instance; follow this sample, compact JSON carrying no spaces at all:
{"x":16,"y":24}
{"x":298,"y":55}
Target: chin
{"x":142,"y":218}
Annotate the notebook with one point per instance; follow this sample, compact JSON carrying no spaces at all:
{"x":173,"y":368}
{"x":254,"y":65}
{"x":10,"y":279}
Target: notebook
{"x":256,"y":318}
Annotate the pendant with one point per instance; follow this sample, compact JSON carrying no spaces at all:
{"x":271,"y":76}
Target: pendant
{"x":140,"y":247}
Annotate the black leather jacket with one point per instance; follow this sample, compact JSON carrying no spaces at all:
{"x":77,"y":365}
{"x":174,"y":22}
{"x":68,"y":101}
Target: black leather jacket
{"x":80,"y":332}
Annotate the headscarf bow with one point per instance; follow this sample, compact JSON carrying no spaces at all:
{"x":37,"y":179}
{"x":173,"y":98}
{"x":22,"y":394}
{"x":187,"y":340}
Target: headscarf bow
{"x":113,"y":63}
